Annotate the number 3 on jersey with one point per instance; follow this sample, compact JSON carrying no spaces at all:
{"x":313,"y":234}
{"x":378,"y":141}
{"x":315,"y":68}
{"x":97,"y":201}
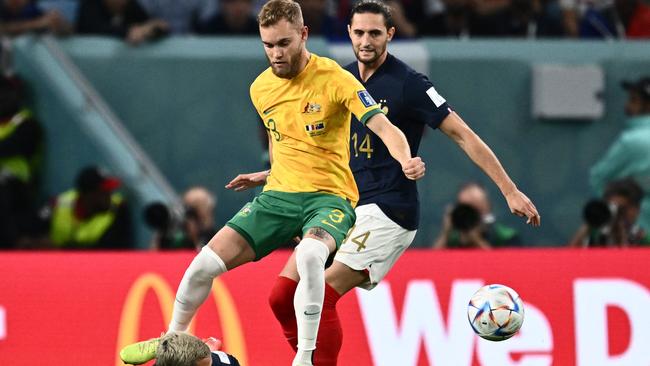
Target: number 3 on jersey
{"x":335,"y":217}
{"x":364,"y":147}
{"x":270,"y":127}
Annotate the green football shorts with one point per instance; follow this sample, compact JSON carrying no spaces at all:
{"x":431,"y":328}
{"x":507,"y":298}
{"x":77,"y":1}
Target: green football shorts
{"x":274,"y":218}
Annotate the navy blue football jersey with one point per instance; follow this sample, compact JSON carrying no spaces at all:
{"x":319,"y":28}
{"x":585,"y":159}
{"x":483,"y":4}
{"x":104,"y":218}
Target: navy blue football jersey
{"x":410,"y":102}
{"x":223,"y":359}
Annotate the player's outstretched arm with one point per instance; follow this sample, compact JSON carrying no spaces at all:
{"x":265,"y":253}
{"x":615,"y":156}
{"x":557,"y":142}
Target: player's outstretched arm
{"x":397,"y":145}
{"x":481,"y":154}
{"x":243,"y":182}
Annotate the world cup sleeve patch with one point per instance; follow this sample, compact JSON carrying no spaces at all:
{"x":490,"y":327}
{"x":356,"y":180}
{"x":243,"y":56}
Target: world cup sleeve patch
{"x":436,"y":98}
{"x":366,"y":99}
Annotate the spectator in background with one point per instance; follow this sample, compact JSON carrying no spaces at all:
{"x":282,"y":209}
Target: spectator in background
{"x":21,"y":142}
{"x":591,"y":18}
{"x":234,"y":17}
{"x":550,"y":20}
{"x":183,"y":16}
{"x":24,"y":16}
{"x":610,"y":18}
{"x":635,"y":16}
{"x":532,"y":19}
{"x":121,"y":18}
{"x":92,"y":215}
{"x":404,"y":26}
{"x":489,"y":18}
{"x":194,"y":228}
{"x":446,"y":18}
{"x":517,"y":18}
{"x":199,"y":205}
{"x":320,"y":22}
{"x":629,"y":155}
{"x":511,"y":18}
{"x":471,"y":224}
{"x":612,"y":221}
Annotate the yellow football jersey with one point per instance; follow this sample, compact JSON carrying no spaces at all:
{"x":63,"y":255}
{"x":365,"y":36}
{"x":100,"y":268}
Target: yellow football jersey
{"x":308,"y":120}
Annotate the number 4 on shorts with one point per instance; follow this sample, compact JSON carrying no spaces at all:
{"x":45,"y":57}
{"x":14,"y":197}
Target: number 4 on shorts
{"x":359,"y":240}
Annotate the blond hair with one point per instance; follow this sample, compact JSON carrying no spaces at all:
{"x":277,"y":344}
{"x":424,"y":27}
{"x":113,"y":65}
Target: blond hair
{"x":180,"y":349}
{"x":276,"y":10}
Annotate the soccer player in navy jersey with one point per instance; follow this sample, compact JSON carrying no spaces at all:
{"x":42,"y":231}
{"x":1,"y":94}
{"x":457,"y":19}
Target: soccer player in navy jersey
{"x":388,"y":210}
{"x":184,"y":349}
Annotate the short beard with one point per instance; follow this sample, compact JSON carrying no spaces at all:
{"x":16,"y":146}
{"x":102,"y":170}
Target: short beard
{"x":293,"y":67}
{"x":291,"y":73}
{"x":369,"y":62}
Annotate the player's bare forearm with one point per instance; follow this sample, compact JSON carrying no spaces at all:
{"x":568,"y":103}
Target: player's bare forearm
{"x":397,"y":145}
{"x":391,"y":136}
{"x":454,"y":127}
{"x":481,"y":154}
{"x":243,"y":182}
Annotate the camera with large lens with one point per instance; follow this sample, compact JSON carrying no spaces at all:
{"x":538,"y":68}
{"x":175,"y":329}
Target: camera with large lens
{"x":170,"y":227}
{"x":598,"y":213}
{"x":465,"y":217}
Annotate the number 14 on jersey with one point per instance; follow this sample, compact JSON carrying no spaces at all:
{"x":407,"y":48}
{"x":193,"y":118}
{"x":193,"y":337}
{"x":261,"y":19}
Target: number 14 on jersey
{"x":363,"y":147}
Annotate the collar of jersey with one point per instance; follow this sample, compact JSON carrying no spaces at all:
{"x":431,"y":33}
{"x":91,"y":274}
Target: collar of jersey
{"x":379,"y":70}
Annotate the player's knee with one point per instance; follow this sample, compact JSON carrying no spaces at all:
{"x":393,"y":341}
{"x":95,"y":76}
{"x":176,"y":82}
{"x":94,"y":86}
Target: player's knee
{"x":311,"y":253}
{"x":205,"y":266}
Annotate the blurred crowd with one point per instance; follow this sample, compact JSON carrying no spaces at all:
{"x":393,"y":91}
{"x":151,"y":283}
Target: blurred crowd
{"x":93,"y":212}
{"x":137,"y":21}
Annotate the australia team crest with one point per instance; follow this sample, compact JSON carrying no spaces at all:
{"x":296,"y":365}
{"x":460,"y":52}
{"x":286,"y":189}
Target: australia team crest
{"x":311,"y":108}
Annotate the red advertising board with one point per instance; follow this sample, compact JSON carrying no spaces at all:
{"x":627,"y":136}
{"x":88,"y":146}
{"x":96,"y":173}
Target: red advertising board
{"x":583,"y":307}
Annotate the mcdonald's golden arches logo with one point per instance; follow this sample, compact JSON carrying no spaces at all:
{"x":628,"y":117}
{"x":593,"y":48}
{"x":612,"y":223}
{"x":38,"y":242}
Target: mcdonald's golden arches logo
{"x":233,"y":336}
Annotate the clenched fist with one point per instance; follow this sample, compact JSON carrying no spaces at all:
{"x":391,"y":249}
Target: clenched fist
{"x":414,"y":168}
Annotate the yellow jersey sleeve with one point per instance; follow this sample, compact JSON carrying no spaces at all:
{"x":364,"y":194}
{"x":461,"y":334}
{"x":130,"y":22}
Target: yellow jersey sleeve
{"x":253,"y":94}
{"x":355,"y":97}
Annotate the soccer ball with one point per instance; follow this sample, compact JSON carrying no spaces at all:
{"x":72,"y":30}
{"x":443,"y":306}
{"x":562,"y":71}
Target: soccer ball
{"x":495,"y":312}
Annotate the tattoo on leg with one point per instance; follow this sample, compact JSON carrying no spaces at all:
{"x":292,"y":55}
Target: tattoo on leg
{"x":319,"y":233}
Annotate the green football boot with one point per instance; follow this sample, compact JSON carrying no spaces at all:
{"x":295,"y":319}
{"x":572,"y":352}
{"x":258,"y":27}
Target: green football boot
{"x":139,"y":353}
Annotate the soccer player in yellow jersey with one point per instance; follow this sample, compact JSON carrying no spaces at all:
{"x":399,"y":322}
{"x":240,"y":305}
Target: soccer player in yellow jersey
{"x":306,"y":102}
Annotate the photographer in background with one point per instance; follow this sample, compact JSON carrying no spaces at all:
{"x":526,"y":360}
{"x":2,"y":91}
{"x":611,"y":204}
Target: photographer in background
{"x":192,"y":231}
{"x":90,"y":215}
{"x":21,"y":150}
{"x":471,"y":224}
{"x":629,"y":154}
{"x":612,"y":221}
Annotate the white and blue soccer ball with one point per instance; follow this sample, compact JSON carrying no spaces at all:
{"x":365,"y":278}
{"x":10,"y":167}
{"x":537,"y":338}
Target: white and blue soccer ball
{"x":495,"y":312}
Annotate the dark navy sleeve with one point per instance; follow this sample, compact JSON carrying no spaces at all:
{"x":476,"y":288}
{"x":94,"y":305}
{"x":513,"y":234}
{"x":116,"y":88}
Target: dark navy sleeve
{"x":423,"y":102}
{"x":220,"y":358}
